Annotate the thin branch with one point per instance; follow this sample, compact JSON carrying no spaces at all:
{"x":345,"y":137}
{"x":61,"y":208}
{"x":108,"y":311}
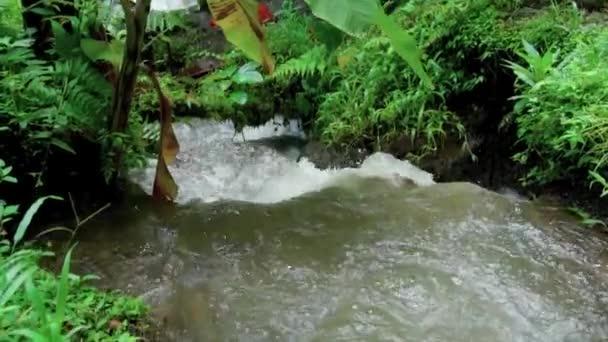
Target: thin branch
{"x":76,"y":218}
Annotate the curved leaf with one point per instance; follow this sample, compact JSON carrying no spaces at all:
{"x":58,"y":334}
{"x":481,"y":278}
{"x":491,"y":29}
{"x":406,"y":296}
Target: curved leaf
{"x":111,"y":52}
{"x":239,"y":21}
{"x":355,"y":17}
{"x":27,"y":218}
{"x":164,"y":187}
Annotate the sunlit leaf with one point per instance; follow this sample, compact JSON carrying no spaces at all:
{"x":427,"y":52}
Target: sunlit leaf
{"x":247,"y":75}
{"x":62,"y":288}
{"x":171,"y":5}
{"x":27,"y":218}
{"x":96,"y":50}
{"x":239,"y":97}
{"x":405,"y":45}
{"x":239,"y":21}
{"x":43,"y":11}
{"x":63,"y":145}
{"x":355,"y":17}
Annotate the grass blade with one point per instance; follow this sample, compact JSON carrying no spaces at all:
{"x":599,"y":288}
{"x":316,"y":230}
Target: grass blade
{"x":15,"y":285}
{"x":62,"y":288}
{"x":27,"y":218}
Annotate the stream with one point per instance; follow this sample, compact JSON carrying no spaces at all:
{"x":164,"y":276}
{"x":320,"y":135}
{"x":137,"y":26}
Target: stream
{"x":263,"y":246}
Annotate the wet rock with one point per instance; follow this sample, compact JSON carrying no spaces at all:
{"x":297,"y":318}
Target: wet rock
{"x":591,"y":5}
{"x":325,"y":157}
{"x":201,"y":67}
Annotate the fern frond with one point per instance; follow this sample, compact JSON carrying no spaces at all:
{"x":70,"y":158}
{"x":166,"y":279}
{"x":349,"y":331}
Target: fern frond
{"x":166,"y":21}
{"x":311,"y":63}
{"x":10,"y":16}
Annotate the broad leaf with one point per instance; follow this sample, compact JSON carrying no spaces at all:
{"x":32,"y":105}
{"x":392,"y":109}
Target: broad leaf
{"x":239,"y":21}
{"x":239,"y":97}
{"x":405,"y":45}
{"x":27,"y":219}
{"x":355,"y":17}
{"x":247,"y":75}
{"x":66,"y":44}
{"x":111,"y":52}
{"x":63,"y":145}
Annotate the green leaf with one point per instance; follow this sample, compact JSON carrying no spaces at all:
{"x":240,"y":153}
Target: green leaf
{"x":239,"y":22}
{"x":405,"y":45}
{"x":27,"y":219}
{"x":29,"y":334}
{"x":36,"y":300}
{"x":15,"y":284}
{"x":62,"y":288}
{"x":96,"y":50}
{"x":530,"y":49}
{"x":247,"y":75}
{"x":9,"y":210}
{"x":9,"y":179}
{"x":66,"y":44}
{"x":62,"y":145}
{"x":239,"y":97}
{"x":43,"y":11}
{"x":354,"y":17}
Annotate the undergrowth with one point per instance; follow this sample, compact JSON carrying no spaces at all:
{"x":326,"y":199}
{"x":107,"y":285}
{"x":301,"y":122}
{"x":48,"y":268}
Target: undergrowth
{"x":37,"y":305}
{"x":562,"y":112}
{"x":50,"y":105}
{"x":358,"y":92}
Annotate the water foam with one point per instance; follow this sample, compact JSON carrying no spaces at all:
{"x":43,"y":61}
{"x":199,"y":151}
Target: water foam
{"x":216,"y":164}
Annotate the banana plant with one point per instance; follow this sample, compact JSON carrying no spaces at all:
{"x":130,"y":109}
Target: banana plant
{"x":355,"y":17}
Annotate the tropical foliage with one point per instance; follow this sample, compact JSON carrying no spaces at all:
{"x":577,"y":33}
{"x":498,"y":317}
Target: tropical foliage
{"x":92,"y":90}
{"x":37,"y":305}
{"x":561,"y":114}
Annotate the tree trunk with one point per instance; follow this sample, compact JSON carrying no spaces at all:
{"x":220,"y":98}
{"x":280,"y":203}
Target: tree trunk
{"x":136,"y":20}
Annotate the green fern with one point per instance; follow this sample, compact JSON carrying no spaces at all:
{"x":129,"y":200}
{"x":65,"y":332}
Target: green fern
{"x":166,"y":21}
{"x":313,"y":62}
{"x":11,"y":20}
{"x":46,"y":103}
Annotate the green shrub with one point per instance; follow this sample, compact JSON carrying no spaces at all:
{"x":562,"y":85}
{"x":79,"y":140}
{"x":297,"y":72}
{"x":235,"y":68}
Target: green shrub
{"x":40,"y":306}
{"x":49,"y":101}
{"x":48,"y":105}
{"x":289,"y":37}
{"x":377,"y":98}
{"x":11,"y":20}
{"x":562,"y":119}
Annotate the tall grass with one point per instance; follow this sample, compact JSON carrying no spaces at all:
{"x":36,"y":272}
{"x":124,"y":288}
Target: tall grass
{"x":562,"y":117}
{"x":36,"y":305}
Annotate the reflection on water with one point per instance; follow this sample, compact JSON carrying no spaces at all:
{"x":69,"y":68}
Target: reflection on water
{"x":377,"y":254}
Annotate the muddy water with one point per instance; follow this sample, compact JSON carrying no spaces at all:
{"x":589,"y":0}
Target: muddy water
{"x":264,"y":248}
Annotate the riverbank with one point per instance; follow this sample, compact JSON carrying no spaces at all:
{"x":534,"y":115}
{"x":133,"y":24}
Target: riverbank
{"x":505,"y":111}
{"x":39,"y":304}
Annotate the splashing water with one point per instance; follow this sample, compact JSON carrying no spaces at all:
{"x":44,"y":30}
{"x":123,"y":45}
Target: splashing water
{"x":266,"y":248}
{"x":211,"y":166}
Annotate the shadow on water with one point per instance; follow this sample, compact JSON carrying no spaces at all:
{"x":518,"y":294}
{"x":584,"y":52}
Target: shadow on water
{"x":377,"y":254}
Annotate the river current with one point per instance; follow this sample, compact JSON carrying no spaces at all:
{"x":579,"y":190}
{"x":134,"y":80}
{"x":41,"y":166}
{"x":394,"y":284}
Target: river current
{"x":263,"y":246}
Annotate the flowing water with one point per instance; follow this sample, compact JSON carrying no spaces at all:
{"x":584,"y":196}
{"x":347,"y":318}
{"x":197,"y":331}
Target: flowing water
{"x":263,"y":247}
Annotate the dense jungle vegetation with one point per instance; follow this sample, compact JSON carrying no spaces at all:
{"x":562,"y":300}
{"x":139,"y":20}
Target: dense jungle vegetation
{"x":522,"y":83}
